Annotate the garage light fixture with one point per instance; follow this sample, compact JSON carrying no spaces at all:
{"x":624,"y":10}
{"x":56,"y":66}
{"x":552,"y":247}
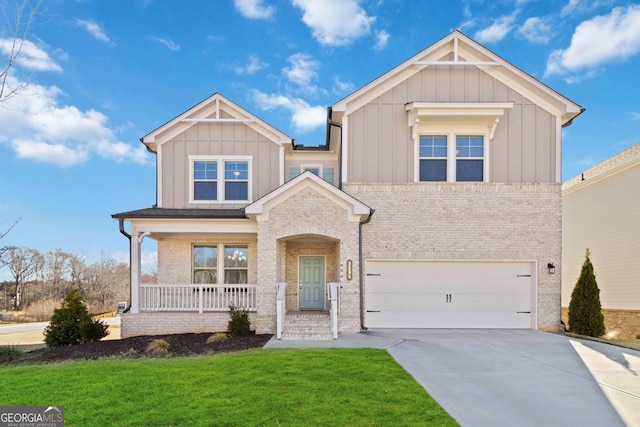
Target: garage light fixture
{"x":552,"y":268}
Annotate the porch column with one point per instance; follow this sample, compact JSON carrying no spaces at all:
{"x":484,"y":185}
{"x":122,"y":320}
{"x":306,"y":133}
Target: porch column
{"x":136,"y":240}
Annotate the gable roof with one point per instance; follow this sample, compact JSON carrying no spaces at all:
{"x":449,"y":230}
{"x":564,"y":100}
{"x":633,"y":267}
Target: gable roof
{"x":618,"y":163}
{"x":466,"y":51}
{"x":356,"y":209}
{"x":211,"y":110}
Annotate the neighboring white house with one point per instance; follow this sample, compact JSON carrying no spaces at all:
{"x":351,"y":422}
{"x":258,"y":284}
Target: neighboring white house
{"x":435,"y":201}
{"x":601,"y":212}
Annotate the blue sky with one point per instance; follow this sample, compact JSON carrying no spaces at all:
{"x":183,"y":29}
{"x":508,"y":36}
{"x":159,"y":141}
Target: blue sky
{"x":102,"y":74}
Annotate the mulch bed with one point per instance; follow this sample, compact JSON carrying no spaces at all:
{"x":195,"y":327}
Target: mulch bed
{"x":179,"y":345}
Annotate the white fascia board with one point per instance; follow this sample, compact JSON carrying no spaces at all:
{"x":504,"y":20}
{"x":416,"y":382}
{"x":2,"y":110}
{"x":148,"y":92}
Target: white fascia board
{"x":212,"y":106}
{"x":191,"y":225}
{"x":397,"y":74}
{"x":459,"y":109}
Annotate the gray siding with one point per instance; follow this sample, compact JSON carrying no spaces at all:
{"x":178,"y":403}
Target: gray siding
{"x":380,"y":145}
{"x":217,"y":139}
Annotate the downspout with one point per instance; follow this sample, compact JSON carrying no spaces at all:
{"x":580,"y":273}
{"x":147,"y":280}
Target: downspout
{"x":330,"y":123}
{"x":128,"y":236}
{"x":157,"y":166}
{"x":360,"y":261}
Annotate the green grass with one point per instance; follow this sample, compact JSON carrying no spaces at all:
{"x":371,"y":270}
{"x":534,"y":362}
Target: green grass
{"x":329,"y":387}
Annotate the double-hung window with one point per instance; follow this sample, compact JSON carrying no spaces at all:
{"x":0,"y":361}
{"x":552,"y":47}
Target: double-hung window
{"x":441,"y":160}
{"x":205,"y":264}
{"x":433,"y":158}
{"x":234,"y":264}
{"x":469,"y":158}
{"x":220,"y":179}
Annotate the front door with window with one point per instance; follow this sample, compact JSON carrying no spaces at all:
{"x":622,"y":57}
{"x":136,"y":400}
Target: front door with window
{"x":311,"y":282}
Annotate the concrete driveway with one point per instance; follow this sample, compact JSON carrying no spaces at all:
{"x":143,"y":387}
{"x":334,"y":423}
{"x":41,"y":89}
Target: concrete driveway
{"x":512,"y":377}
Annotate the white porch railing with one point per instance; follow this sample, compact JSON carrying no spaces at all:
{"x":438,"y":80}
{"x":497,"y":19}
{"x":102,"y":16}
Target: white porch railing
{"x":196,"y":297}
{"x":281,"y":309}
{"x":332,"y":290}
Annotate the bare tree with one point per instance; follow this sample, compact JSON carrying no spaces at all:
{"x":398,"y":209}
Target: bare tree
{"x":19,"y":17}
{"x":22,"y":263}
{"x":56,"y":268}
{"x":4,"y":248}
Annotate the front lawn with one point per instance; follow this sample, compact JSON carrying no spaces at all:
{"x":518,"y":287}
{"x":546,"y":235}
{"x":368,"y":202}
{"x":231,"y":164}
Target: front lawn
{"x":339,"y":387}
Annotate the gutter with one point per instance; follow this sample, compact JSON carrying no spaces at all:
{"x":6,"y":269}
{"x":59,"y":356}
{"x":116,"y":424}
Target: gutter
{"x":157,"y":167}
{"x":330,"y":123}
{"x":360,"y":261}
{"x":128,"y":236}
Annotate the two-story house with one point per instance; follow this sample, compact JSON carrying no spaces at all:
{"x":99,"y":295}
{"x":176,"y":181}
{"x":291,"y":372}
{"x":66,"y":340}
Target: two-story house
{"x":435,"y":202}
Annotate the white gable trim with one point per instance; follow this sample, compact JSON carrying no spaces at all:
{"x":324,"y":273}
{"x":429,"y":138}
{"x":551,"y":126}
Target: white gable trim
{"x":202,"y":112}
{"x":466,"y":52}
{"x":259,"y":210}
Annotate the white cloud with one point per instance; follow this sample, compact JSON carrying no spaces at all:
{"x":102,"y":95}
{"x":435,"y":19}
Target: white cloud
{"x":382,"y":40}
{"x":253,"y":66}
{"x":303,"y":69}
{"x":170,"y":44}
{"x":254,"y":9}
{"x":38,"y":128}
{"x":94,"y":29}
{"x":31,"y":56}
{"x":597,"y":41}
{"x":635,"y":116}
{"x":335,"y":22}
{"x":305,"y":117}
{"x":496,"y":31}
{"x":536,"y":30}
{"x":341,"y":87}
{"x":582,"y":6}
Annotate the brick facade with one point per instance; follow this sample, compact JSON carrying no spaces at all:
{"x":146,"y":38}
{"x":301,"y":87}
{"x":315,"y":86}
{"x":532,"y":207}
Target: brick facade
{"x":469,"y":221}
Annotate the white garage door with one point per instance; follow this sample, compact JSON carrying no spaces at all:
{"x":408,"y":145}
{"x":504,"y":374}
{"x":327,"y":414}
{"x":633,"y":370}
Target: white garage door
{"x":435,"y":294}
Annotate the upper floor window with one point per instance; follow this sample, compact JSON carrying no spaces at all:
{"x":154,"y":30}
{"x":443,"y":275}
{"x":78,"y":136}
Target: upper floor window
{"x":220,"y":179}
{"x":438,"y":160}
{"x":433,"y":158}
{"x":469,"y":158}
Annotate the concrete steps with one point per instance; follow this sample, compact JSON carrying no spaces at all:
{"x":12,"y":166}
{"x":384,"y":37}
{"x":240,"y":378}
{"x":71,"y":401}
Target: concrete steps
{"x":307,"y":325}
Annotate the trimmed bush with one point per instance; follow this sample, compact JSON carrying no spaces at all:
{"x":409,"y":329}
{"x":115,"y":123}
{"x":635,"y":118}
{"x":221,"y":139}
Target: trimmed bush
{"x":239,"y":325}
{"x":71,"y":324}
{"x":585,"y":311}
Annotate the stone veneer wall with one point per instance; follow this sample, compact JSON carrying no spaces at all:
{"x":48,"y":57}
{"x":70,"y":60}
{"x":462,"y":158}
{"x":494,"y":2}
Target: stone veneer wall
{"x":469,"y":221}
{"x":307,"y":213}
{"x":619,"y":324}
{"x":134,"y":324}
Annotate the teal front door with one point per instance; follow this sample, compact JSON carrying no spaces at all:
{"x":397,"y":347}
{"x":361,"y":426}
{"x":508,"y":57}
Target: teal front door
{"x":311,"y":282}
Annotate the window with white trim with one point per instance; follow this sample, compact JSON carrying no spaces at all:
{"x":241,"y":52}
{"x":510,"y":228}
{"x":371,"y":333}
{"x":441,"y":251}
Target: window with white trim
{"x":220,"y":179}
{"x":441,"y":160}
{"x":433,"y":157}
{"x":469,"y":158}
{"x":234,"y":264}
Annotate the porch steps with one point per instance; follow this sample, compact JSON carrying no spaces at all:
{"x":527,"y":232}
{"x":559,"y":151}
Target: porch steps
{"x":307,"y":325}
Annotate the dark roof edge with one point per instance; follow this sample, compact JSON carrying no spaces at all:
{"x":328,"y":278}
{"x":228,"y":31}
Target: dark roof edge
{"x":164,"y":213}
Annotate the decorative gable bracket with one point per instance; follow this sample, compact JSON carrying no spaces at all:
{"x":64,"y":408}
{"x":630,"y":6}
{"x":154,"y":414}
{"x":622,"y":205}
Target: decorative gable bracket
{"x":483,"y":114}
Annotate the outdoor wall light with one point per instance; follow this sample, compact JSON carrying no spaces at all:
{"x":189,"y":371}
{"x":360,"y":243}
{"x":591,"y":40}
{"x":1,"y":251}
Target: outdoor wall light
{"x":552,"y":268}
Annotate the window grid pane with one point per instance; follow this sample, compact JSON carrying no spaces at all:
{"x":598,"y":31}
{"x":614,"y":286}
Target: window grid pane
{"x":433,"y":146}
{"x":205,"y":262}
{"x":470,"y":146}
{"x":205,"y":184}
{"x":236,"y":175}
{"x":236,"y":264}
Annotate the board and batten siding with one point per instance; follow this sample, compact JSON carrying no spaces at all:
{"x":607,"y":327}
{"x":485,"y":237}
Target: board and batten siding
{"x":217,"y":139}
{"x":604,"y":216}
{"x":381,"y":148}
